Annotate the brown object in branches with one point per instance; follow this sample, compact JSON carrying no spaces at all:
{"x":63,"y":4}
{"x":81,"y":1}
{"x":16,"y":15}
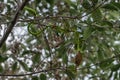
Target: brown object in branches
{"x":78,"y":59}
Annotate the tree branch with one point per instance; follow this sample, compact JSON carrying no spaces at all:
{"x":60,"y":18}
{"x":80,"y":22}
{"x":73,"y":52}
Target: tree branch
{"x":13,"y":22}
{"x":19,"y":75}
{"x":60,"y":68}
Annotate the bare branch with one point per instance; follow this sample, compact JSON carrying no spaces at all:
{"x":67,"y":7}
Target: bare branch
{"x":60,"y":68}
{"x":13,"y":22}
{"x":18,"y":75}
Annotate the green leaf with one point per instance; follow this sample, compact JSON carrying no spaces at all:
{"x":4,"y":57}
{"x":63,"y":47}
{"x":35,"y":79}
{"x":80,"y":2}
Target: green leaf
{"x":111,"y":73}
{"x":50,"y":2}
{"x":112,"y":6}
{"x":62,"y":50}
{"x":26,"y":52}
{"x":117,"y":5}
{"x":70,"y":74}
{"x":14,"y":66}
{"x":3,"y":58}
{"x":29,"y":39}
{"x":65,"y":58}
{"x":30,"y":10}
{"x":106,"y":64}
{"x":107,"y":23}
{"x":43,"y":77}
{"x":72,"y":4}
{"x":87,"y":32}
{"x":35,"y":78}
{"x":72,"y":68}
{"x":100,"y":55}
{"x":24,"y":65}
{"x":62,"y":53}
{"x":115,"y":75}
{"x":94,"y":1}
{"x":36,"y":58}
{"x":32,"y":29}
{"x":37,"y":1}
{"x":115,"y":67}
{"x":86,"y":4}
{"x":97,"y":15}
{"x":3,"y":48}
{"x":1,"y":69}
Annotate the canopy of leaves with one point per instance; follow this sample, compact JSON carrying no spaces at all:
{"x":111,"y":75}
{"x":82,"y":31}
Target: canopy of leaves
{"x":49,"y":33}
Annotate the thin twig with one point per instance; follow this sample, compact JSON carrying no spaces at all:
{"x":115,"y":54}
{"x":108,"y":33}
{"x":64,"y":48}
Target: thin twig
{"x":49,"y":48}
{"x":18,"y":75}
{"x":13,"y":22}
{"x":60,"y":17}
{"x":61,"y":68}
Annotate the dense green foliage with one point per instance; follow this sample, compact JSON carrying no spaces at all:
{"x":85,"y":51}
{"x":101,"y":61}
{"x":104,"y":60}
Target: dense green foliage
{"x":49,"y":33}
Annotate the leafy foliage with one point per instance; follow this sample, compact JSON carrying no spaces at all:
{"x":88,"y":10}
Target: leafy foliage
{"x":49,"y":33}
